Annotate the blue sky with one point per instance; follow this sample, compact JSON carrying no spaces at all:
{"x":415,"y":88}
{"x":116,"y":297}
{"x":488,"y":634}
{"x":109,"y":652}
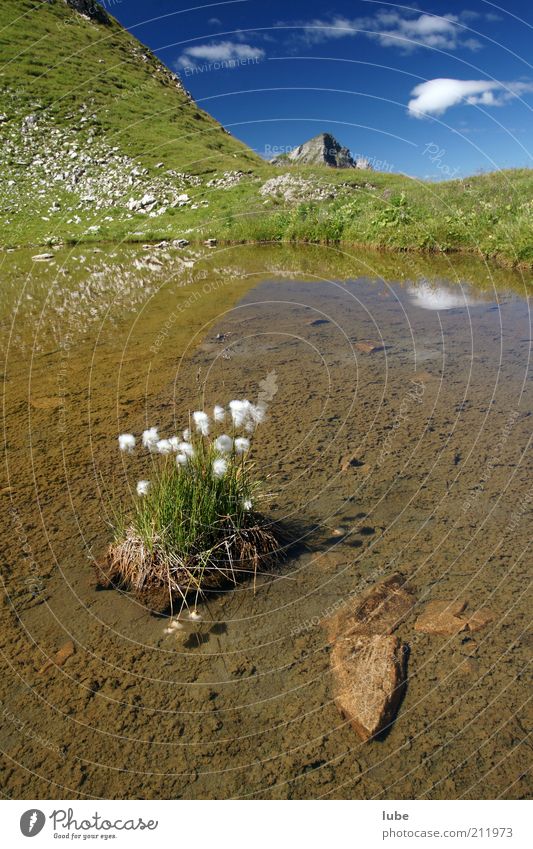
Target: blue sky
{"x":436,"y":91}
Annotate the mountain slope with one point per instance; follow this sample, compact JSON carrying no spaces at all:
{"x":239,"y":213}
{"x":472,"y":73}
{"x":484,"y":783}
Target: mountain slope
{"x":95,"y":131}
{"x":56,"y":60}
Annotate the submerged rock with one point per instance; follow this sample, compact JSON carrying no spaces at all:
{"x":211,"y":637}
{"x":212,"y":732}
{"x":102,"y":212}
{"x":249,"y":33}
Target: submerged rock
{"x":441,"y":617}
{"x":478,"y":619}
{"x":60,"y":657}
{"x":351,"y":461}
{"x":42,"y":257}
{"x":50,"y":402}
{"x":369,"y":674}
{"x":380,"y":610}
{"x":451,"y":617}
{"x":369,"y":663}
{"x":368,"y":347}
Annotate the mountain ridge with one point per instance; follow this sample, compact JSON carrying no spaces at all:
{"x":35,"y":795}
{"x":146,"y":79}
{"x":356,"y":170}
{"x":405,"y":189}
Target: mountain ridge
{"x":322,"y":149}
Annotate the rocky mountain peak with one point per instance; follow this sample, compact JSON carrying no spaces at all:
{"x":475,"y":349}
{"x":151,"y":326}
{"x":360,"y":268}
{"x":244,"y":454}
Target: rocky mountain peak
{"x":323,"y":149}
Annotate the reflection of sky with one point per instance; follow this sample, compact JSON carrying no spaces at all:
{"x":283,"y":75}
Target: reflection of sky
{"x":435,"y":297}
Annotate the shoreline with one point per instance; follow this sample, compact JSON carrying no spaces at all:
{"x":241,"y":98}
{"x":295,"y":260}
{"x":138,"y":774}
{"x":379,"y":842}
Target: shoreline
{"x":498,"y":259}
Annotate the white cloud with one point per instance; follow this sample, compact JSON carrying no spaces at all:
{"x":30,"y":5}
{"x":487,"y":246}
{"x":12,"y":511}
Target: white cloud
{"x":219,"y":51}
{"x":434,"y":97}
{"x":404,"y":30}
{"x":395,"y":30}
{"x":338,"y":26}
{"x":434,"y":297}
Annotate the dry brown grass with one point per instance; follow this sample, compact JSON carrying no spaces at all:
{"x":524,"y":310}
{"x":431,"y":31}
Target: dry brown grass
{"x":164,"y":580}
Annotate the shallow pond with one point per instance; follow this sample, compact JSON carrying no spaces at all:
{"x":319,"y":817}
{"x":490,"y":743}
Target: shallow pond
{"x":418,"y":370}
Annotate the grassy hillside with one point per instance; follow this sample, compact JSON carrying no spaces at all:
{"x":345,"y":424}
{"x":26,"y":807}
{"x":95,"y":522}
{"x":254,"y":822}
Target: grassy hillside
{"x":71,"y":85}
{"x":56,"y":60}
{"x":489,"y":214}
{"x":101,"y":141}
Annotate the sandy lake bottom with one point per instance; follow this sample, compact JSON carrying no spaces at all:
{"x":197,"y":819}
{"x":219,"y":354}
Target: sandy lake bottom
{"x":438,"y":419}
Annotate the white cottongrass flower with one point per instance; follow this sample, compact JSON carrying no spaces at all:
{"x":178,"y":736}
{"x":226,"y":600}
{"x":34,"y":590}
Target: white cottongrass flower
{"x":143,"y":487}
{"x":195,"y":616}
{"x":219,"y":413}
{"x":174,"y":443}
{"x":257,"y":413}
{"x":247,"y":504}
{"x":242,"y":445}
{"x":186,"y":434}
{"x":182,"y":459}
{"x":239,"y":411}
{"x":175,"y":625}
{"x":224,"y":443}
{"x":220,"y":467}
{"x":164,"y":446}
{"x":201,"y":420}
{"x":186,"y":448}
{"x":150,"y":438}
{"x":126,"y":442}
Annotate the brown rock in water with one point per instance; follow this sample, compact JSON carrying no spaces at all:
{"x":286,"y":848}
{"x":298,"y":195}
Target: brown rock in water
{"x":441,"y":617}
{"x":478,"y":619}
{"x":50,"y":403}
{"x":369,"y":674}
{"x":378,"y":611}
{"x":66,"y":651}
{"x":468,"y":666}
{"x":450,"y":617}
{"x":368,"y":347}
{"x":351,"y":461}
{"x":368,"y":663}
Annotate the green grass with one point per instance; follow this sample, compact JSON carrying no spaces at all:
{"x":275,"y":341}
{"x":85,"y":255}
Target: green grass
{"x":188,"y":510}
{"x":489,"y":215}
{"x":53,"y":61}
{"x":62,"y":68}
{"x":195,"y":525}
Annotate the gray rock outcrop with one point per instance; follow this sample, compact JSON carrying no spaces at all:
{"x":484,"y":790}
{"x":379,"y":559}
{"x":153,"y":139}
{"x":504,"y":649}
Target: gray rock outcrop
{"x":323,"y":149}
{"x":91,"y":9}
